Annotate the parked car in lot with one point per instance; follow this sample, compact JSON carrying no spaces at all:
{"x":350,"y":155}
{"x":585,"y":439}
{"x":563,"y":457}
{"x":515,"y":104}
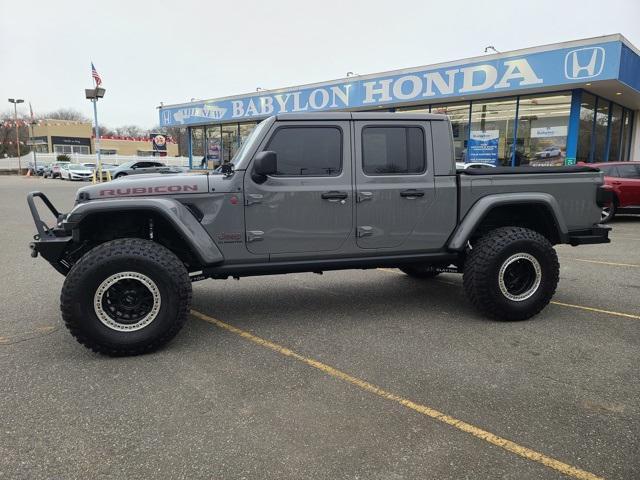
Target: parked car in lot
{"x":549,"y":152}
{"x":52,"y":170}
{"x":308,"y":193}
{"x":143,"y":166}
{"x":36,"y":169}
{"x":75,"y":171}
{"x":623,"y":179}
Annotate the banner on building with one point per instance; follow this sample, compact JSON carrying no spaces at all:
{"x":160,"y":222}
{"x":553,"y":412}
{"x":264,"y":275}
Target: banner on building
{"x":483,"y":146}
{"x":159,"y":143}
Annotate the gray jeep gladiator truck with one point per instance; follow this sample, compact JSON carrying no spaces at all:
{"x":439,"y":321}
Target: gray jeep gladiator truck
{"x":308,"y":193}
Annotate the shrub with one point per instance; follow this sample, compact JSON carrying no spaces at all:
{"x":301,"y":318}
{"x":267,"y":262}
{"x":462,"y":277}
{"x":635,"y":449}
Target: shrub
{"x":63,"y":158}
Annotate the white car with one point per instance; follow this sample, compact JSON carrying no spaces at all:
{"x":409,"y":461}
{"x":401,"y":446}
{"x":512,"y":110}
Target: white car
{"x":548,"y":152}
{"x":464,"y":166}
{"x":75,"y":171}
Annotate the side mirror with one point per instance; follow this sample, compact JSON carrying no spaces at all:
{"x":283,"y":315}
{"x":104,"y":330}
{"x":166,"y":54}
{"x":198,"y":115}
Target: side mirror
{"x":265,"y":163}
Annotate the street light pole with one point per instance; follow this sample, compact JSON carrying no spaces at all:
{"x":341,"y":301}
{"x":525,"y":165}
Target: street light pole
{"x":15,"y":102}
{"x":33,"y":148}
{"x":97,"y":130}
{"x":94,"y":94}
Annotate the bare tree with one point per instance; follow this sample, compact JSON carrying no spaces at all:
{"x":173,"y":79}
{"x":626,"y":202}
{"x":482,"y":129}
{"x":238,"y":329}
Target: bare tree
{"x":130,"y":131}
{"x":8,"y":146}
{"x":67,"y":114}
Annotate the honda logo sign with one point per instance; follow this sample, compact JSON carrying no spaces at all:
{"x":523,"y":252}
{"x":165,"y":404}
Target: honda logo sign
{"x":584,"y":63}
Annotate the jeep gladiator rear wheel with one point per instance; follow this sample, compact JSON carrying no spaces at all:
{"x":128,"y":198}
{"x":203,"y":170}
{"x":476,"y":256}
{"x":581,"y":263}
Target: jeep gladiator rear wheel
{"x":511,"y":273}
{"x":126,"y":297}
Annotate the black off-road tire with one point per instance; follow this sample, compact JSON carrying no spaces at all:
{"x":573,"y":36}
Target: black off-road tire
{"x":169,"y":278}
{"x":482,"y":273}
{"x":419,"y":271}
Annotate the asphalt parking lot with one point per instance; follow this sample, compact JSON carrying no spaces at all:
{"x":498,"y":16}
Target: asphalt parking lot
{"x":348,"y":375}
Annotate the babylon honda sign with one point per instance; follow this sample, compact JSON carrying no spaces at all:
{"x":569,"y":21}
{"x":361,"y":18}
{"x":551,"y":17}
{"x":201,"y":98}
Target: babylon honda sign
{"x":419,"y":85}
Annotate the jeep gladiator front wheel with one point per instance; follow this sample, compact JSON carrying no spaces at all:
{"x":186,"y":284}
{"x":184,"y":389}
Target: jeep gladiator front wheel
{"x":511,"y":273}
{"x":126,"y":297}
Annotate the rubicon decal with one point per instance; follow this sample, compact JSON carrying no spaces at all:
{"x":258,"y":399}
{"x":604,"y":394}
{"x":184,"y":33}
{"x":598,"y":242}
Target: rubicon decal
{"x":157,"y":190}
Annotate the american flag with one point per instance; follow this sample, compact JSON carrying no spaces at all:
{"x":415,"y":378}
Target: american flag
{"x":95,"y":75}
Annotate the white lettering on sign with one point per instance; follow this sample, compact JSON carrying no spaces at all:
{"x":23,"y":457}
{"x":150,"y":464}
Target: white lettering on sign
{"x":469,"y":76}
{"x":370,"y":89}
{"x":413,"y":86}
{"x":518,"y":69}
{"x":437,"y":80}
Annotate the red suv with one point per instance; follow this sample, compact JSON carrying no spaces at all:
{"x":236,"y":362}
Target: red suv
{"x":623,"y":178}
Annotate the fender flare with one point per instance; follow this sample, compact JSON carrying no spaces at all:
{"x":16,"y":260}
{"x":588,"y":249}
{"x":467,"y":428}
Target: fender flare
{"x":483,"y":206}
{"x":175,"y":213}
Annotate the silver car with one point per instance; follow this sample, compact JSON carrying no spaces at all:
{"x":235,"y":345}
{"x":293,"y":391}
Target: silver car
{"x":141,"y":166}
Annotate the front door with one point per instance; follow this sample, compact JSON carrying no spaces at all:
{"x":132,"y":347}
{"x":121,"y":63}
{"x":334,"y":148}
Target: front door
{"x":394,"y":186}
{"x":307,"y":207}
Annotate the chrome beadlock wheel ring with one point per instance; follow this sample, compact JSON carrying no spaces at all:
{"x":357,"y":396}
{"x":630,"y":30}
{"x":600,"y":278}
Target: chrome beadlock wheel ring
{"x":127,"y":301}
{"x":519,"y":277}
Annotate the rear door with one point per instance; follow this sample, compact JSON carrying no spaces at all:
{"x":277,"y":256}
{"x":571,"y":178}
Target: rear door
{"x":307,"y":207}
{"x":394,"y":186}
{"x":629,"y":184}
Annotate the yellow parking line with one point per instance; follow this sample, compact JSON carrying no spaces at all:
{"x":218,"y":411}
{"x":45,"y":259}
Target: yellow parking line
{"x":477,"y":432}
{"x":570,"y":305}
{"x":598,"y":310}
{"x":607,"y":263}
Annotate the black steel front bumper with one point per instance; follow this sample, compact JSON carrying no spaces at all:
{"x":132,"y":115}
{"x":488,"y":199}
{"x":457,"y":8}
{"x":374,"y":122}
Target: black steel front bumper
{"x":50,"y":242}
{"x":596,"y":234}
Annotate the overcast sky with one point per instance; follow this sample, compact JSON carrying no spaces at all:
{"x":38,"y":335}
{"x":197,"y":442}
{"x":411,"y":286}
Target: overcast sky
{"x":172,"y":51}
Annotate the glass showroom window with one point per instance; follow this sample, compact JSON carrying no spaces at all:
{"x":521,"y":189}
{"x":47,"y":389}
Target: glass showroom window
{"x":491,"y":135}
{"x":543,"y":122}
{"x":587,"y":114}
{"x":245,"y":130}
{"x":459,"y":115}
{"x":616,"y":127}
{"x":627,"y":120}
{"x":416,"y":109}
{"x":197,"y":145}
{"x":214,"y":146}
{"x":600,"y":131}
{"x":229,"y":141}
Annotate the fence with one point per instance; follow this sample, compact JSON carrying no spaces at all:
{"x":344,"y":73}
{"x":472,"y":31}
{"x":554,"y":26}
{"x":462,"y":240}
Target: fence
{"x":47,"y":158}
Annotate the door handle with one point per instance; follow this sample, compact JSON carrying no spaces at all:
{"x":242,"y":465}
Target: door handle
{"x":334,"y":196}
{"x":254,"y":236}
{"x":253,"y":198}
{"x":616,"y":183}
{"x":412,"y":193}
{"x":364,"y":196}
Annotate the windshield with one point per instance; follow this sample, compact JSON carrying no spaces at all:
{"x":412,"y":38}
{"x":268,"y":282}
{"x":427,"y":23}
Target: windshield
{"x":76,"y":166}
{"x":238,"y":158}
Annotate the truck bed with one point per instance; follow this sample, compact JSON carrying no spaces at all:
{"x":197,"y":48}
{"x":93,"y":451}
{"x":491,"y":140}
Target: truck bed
{"x":573,"y":188}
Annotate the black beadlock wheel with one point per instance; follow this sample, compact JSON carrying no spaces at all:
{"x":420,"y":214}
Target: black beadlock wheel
{"x":419,"y":271}
{"x":126,"y":297}
{"x":511,"y":273}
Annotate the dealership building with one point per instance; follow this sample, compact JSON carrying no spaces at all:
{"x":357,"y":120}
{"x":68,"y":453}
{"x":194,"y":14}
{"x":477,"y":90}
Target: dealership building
{"x":558,"y":104}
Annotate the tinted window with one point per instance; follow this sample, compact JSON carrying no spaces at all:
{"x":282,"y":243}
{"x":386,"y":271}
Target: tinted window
{"x":392,"y":150}
{"x":609,"y":170}
{"x":629,"y":171}
{"x":308,"y":151}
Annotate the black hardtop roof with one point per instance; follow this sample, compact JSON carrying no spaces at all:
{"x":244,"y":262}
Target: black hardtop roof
{"x":387,"y":116}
